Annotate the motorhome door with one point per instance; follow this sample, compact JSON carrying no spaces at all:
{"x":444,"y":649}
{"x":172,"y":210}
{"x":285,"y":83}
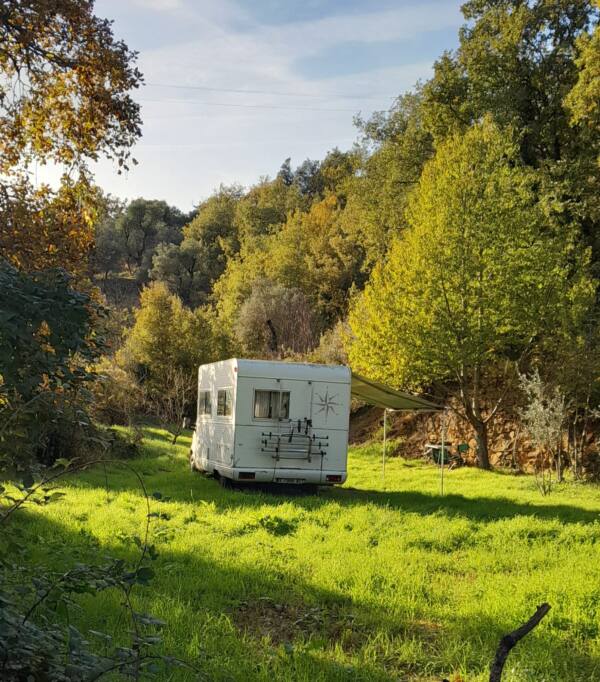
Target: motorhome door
{"x":295,"y":448}
{"x":330,"y":404}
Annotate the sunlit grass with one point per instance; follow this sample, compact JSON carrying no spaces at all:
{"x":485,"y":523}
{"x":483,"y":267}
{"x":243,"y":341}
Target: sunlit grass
{"x":358,"y":583}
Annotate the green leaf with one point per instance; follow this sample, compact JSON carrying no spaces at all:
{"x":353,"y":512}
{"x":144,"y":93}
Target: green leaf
{"x":144,"y":574}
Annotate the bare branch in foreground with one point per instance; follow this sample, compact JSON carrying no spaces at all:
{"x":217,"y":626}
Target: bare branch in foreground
{"x":512,"y":639}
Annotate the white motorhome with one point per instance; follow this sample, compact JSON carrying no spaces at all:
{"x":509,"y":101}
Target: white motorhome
{"x":270,"y":421}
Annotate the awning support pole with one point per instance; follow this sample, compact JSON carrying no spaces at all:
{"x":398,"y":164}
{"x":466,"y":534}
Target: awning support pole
{"x":443,"y":453}
{"x":384,"y":445}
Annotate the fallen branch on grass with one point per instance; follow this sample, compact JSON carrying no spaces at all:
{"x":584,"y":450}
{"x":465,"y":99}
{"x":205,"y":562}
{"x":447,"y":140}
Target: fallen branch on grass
{"x":512,"y":639}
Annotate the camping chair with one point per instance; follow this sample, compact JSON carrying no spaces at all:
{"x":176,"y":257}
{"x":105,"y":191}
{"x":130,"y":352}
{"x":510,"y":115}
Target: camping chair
{"x":434,"y":452}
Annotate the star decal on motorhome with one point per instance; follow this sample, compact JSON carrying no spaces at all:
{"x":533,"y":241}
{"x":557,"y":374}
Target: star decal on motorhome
{"x":327,"y":403}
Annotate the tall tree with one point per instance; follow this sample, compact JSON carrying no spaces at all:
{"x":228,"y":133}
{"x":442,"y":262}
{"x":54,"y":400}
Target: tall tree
{"x":49,"y":340}
{"x":276,"y":320}
{"x":265,"y":207}
{"x":395,"y":145}
{"x":64,"y":98}
{"x":337,"y":170}
{"x":480,"y":275}
{"x":308,"y":179}
{"x":286,"y":174}
{"x":316,"y":252}
{"x":522,"y":62}
{"x":183,"y":268}
{"x":584,"y":99}
{"x":46,"y":333}
{"x":516,"y":62}
{"x":109,"y":250}
{"x":144,"y":224}
{"x":213,"y":231}
{"x":167,"y":336}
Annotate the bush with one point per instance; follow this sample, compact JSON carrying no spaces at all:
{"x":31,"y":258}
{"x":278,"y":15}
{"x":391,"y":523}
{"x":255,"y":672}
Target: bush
{"x":276,"y":320}
{"x":166,"y":335}
{"x":40,"y":431}
{"x":48,"y":340}
{"x":544,"y":418}
{"x":118,"y":397}
{"x":331,"y":349}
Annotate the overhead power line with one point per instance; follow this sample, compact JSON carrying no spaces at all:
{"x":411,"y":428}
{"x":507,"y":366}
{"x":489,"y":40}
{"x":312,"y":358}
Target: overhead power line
{"x":240,"y":91}
{"x":240,"y":105}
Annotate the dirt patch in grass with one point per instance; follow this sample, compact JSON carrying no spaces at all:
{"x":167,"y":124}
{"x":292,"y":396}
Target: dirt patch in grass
{"x":286,"y":623}
{"x":426,"y":630}
{"x":283,"y":623}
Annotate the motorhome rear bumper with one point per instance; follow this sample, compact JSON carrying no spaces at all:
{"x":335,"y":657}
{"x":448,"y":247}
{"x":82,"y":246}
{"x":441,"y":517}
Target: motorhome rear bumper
{"x":280,"y":475}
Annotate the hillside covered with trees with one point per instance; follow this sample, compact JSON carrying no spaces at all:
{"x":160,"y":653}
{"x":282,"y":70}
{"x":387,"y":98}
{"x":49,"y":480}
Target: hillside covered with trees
{"x":451,"y":250}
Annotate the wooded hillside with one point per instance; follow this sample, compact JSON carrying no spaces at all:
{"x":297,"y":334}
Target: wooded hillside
{"x":452,"y":250}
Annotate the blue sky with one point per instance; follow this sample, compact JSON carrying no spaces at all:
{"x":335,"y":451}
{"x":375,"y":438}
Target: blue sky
{"x":236,"y":86}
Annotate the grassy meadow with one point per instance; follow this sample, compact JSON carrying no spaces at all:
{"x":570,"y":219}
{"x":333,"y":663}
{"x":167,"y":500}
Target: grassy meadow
{"x":356,"y":583}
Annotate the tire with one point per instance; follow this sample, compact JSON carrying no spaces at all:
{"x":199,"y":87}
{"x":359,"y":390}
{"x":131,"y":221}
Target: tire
{"x":225,"y":482}
{"x":310,"y":489}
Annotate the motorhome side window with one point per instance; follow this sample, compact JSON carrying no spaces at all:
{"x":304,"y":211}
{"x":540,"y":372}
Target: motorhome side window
{"x":224,"y":401}
{"x":271,"y":404}
{"x":204,"y":404}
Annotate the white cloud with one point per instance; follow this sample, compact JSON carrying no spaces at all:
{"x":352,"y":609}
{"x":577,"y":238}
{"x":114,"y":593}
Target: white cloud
{"x":265,"y":56}
{"x":192,"y":142}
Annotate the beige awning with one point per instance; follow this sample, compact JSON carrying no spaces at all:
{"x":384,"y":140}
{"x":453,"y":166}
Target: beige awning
{"x":384,"y":396}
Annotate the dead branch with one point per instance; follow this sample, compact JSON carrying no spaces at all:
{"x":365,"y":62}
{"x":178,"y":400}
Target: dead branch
{"x":512,"y":639}
{"x":273,"y":343}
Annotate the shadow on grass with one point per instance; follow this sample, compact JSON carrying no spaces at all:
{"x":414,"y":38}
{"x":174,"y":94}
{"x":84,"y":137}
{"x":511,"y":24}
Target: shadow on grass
{"x":477,"y":509}
{"x":173,"y":479}
{"x":203,"y":596}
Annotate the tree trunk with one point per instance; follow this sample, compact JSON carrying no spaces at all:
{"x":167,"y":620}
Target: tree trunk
{"x":481,"y":435}
{"x":559,"y":469}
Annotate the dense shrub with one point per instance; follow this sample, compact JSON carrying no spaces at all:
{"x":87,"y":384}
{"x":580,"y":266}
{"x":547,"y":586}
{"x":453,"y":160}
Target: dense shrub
{"x":48,"y":340}
{"x":277,"y":320}
{"x":118,"y":397}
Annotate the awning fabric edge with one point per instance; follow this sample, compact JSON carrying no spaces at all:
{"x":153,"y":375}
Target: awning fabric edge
{"x":381,"y":395}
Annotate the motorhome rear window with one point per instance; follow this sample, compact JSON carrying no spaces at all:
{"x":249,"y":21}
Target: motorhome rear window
{"x":224,"y":402}
{"x":271,"y":404}
{"x":204,"y":404}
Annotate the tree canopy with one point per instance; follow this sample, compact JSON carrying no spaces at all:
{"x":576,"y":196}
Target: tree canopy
{"x":479,"y":276}
{"x":64,"y":98}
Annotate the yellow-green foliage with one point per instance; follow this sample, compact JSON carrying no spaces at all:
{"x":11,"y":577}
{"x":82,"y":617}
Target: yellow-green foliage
{"x":584,"y":98}
{"x":358,"y":583}
{"x":479,"y":273}
{"x":235,"y":285}
{"x":313,"y":250}
{"x":265,"y":208}
{"x":166,"y":335}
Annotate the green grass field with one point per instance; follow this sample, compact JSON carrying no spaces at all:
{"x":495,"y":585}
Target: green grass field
{"x":355,"y":583}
